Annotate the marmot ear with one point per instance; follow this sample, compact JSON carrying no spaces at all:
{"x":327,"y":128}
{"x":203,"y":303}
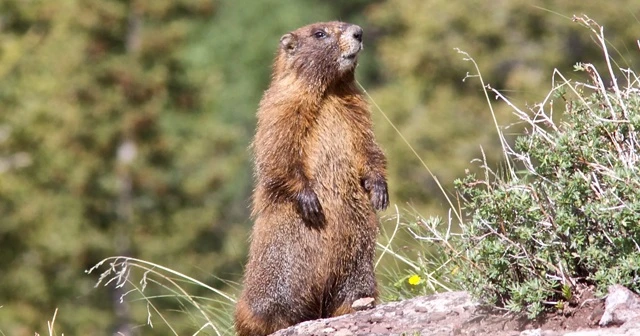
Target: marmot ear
{"x":288,"y":43}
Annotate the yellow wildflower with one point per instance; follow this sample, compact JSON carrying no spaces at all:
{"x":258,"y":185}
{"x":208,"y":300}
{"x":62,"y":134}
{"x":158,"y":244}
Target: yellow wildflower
{"x":414,"y":279}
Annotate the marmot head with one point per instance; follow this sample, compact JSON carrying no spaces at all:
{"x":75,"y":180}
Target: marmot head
{"x":321,"y":53}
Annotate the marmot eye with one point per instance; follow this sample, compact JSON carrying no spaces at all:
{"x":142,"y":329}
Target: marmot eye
{"x":319,"y":34}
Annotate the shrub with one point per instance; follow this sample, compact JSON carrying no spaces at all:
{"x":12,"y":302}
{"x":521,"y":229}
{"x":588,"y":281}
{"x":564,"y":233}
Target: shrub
{"x":565,"y":213}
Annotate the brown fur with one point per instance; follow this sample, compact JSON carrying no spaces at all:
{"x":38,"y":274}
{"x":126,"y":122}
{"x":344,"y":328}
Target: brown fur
{"x":320,"y":176}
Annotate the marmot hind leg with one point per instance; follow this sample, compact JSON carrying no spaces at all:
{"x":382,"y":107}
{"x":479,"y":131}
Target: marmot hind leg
{"x":247,"y":323}
{"x":361,"y":284}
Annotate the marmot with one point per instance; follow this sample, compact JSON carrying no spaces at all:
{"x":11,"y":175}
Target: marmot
{"x":320,"y":177}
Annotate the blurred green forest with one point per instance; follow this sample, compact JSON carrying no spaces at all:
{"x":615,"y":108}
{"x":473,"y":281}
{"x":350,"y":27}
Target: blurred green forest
{"x":125,"y":125}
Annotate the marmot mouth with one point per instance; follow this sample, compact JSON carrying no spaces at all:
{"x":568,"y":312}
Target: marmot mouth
{"x":355,"y":49}
{"x":351,"y":56}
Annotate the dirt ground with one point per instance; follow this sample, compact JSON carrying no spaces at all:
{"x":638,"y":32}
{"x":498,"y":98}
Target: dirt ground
{"x":583,"y":316}
{"x":584,"y":313}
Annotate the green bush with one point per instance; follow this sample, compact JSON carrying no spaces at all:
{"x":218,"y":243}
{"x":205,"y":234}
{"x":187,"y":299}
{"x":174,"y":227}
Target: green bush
{"x":565,"y":212}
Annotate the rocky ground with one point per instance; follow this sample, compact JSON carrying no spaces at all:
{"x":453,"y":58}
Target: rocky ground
{"x":456,"y":314}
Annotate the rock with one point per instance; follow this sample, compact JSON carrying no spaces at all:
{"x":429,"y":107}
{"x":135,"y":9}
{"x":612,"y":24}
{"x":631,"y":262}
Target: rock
{"x":539,"y":332}
{"x":455,"y":313}
{"x":343,"y":332}
{"x":395,"y":318}
{"x":327,"y":331}
{"x":364,"y":303}
{"x":532,"y":332}
{"x":621,"y":305}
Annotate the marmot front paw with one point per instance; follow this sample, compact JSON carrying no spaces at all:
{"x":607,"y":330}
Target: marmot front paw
{"x":310,"y":207}
{"x":377,"y":189}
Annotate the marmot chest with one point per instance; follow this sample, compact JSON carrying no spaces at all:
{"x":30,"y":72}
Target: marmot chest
{"x":336,"y":158}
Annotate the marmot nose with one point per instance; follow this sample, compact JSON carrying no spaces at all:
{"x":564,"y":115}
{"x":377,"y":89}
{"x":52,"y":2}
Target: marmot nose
{"x":355,"y":31}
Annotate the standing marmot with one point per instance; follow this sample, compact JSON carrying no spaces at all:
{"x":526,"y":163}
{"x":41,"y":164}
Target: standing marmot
{"x":319,"y":178}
